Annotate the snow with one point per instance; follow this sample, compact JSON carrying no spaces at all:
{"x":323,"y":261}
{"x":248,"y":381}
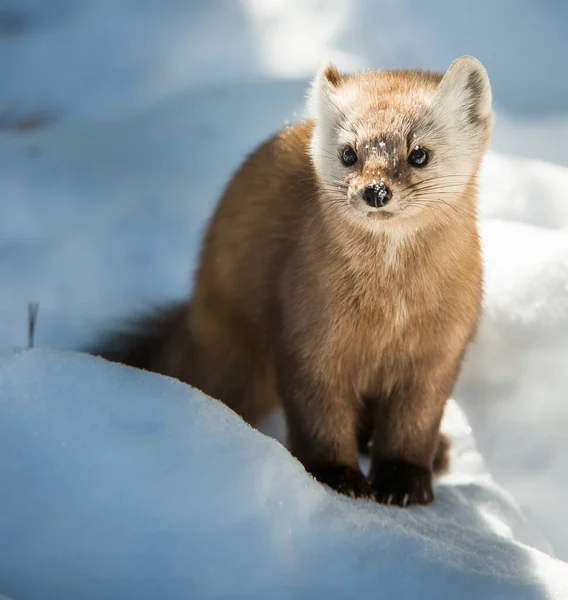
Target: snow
{"x":120,"y":123}
{"x":150,"y":489}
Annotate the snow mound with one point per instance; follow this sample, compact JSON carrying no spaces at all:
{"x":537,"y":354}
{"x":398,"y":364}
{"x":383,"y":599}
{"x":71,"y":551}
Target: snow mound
{"x":513,"y":386}
{"x":137,"y":486}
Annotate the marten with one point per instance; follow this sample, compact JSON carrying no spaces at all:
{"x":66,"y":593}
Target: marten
{"x":341,"y":276}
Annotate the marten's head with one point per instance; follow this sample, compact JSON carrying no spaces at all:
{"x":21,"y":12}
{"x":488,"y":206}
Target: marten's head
{"x":394,"y":146}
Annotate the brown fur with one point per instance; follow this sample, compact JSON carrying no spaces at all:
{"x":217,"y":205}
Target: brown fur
{"x":356,"y":334}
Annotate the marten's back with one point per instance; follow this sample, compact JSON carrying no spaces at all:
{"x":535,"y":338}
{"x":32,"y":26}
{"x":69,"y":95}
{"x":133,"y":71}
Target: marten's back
{"x":254,"y":227}
{"x":257,"y":224}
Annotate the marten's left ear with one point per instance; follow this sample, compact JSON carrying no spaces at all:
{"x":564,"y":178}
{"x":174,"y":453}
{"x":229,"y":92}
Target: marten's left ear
{"x":465,"y":89}
{"x":321,"y":101}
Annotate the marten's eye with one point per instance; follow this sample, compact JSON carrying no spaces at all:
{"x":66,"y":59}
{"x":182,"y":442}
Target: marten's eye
{"x":348,"y":156}
{"x":418,"y":157}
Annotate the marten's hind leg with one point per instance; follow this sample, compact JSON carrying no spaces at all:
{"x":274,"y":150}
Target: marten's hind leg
{"x":227,"y":365}
{"x":222,"y":363}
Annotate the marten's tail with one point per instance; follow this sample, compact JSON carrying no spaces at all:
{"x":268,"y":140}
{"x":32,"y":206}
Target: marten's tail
{"x":158,"y":341}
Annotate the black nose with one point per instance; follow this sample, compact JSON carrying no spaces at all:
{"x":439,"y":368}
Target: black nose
{"x":377,"y":194}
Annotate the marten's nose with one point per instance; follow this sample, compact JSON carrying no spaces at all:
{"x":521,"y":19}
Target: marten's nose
{"x":377,"y":194}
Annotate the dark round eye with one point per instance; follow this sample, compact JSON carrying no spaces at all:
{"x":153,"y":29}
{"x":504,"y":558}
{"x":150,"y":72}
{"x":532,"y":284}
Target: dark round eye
{"x":348,"y":156}
{"x":418,"y":157}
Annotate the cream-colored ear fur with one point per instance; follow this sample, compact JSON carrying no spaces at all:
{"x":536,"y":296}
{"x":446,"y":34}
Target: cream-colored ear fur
{"x":321,"y":102}
{"x":465,"y":90}
{"x":324,"y":108}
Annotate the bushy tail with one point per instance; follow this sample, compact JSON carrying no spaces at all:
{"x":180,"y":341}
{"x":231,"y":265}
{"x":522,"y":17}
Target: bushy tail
{"x":158,"y":341}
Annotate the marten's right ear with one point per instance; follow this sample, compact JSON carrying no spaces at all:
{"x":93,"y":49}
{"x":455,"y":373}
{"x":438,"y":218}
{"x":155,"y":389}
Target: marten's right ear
{"x":321,"y":95}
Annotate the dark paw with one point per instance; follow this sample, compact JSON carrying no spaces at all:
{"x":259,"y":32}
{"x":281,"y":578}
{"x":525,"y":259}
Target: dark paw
{"x":344,"y":480}
{"x":441,"y":462}
{"x":402,"y":484}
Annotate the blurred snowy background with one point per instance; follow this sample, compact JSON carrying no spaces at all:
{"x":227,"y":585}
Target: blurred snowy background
{"x":120,"y":123}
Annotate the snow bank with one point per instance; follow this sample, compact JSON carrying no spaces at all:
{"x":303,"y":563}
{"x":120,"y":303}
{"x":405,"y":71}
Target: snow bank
{"x":513,"y":388}
{"x":122,"y":484}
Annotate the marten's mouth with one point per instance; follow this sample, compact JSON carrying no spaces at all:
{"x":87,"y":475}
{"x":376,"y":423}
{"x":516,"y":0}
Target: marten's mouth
{"x":380,"y":215}
{"x":376,"y":214}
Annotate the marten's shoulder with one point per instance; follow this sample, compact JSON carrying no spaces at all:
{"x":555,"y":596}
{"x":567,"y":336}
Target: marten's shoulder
{"x":283,"y":157}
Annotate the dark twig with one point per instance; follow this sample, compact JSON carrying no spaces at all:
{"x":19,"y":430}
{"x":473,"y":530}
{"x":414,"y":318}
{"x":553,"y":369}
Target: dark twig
{"x":33,"y":308}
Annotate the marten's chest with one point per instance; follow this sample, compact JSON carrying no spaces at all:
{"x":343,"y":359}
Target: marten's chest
{"x":395,"y":315}
{"x":389,"y":296}
{"x":386,"y":304}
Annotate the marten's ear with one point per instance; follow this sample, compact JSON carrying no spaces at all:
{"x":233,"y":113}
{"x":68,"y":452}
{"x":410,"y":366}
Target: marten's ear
{"x":321,"y":92}
{"x":465,"y":90}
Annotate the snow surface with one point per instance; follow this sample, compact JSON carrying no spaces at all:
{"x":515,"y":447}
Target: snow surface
{"x":137,"y":486}
{"x":120,"y":123}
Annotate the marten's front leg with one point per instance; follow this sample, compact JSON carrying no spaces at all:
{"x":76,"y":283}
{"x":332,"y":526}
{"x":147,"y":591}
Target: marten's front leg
{"x":322,"y":428}
{"x":406,"y":439}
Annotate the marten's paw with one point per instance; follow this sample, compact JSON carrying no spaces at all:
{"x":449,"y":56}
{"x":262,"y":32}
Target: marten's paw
{"x":345,"y":480}
{"x":402,"y":484}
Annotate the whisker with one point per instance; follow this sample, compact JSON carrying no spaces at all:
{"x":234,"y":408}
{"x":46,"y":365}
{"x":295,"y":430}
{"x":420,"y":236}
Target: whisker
{"x":458,"y":210}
